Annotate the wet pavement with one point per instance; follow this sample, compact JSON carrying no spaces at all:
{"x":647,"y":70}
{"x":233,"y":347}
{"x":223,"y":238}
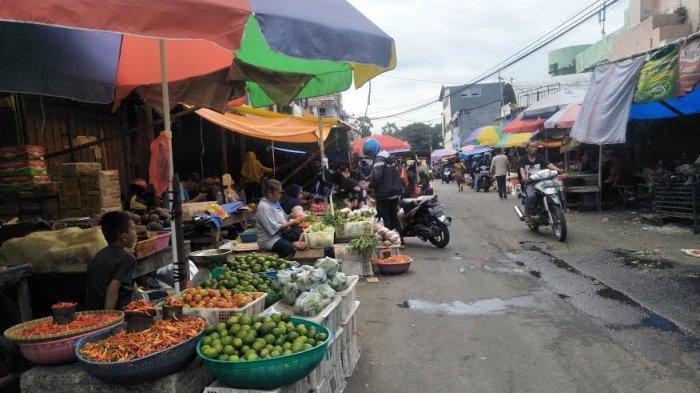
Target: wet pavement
{"x":502,"y":309}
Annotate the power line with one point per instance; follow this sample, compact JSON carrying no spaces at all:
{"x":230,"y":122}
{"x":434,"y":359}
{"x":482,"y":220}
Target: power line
{"x":417,"y":80}
{"x":571,"y":23}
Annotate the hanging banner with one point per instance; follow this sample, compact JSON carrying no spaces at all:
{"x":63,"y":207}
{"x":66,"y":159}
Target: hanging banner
{"x":688,"y":66}
{"x":657,"y":79}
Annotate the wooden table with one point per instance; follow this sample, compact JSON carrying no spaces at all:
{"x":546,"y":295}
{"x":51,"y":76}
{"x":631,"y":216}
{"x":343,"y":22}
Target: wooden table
{"x":18,"y":275}
{"x":214,"y":238}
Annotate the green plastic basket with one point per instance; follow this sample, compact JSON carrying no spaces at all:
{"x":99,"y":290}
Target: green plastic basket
{"x":269,"y":373}
{"x":272,"y":298}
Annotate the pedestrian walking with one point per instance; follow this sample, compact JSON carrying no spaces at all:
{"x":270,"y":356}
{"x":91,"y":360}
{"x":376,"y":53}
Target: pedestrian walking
{"x":385,"y":183}
{"x":499,"y":169}
{"x":460,"y":174}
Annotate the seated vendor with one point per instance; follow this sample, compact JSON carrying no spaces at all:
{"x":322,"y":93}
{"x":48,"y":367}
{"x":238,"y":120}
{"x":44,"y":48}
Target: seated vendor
{"x":194,"y":191}
{"x":109,"y":273}
{"x":275,"y":232}
{"x":140,"y":196}
{"x":294,"y":198}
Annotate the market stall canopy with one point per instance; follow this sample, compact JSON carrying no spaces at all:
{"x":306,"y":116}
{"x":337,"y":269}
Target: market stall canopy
{"x":552,"y":103}
{"x":521,"y":125}
{"x":483,"y":136}
{"x":687,"y":105}
{"x":440,"y":153}
{"x":564,"y":118}
{"x":283,"y":50}
{"x":465,"y":154}
{"x":515,"y":140}
{"x":272,"y":126}
{"x":388,"y":143}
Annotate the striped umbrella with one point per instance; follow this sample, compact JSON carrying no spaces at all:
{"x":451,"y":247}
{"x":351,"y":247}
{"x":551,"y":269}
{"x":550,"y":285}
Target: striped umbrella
{"x":277,"y":50}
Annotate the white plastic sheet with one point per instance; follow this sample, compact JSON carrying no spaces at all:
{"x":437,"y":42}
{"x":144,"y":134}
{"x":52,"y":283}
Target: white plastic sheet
{"x":606,"y":107}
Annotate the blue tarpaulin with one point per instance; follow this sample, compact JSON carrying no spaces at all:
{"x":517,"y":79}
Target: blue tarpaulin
{"x":683,"y":106}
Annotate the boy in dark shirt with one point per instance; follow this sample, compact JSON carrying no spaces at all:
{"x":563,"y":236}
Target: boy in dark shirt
{"x":109,"y":273}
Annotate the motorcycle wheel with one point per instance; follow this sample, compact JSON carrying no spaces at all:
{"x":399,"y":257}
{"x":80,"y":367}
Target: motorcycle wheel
{"x":486,"y":186}
{"x":442,"y":237}
{"x":558,"y":223}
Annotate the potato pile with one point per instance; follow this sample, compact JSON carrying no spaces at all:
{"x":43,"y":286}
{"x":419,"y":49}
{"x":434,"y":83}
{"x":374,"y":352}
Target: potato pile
{"x":153,"y":220}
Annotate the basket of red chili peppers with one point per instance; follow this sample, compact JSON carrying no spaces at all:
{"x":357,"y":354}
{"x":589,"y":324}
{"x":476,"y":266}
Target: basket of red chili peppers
{"x":43,"y":341}
{"x":123,"y":357}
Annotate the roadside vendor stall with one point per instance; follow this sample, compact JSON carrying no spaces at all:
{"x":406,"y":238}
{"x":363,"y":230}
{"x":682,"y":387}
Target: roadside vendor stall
{"x":113,"y":353}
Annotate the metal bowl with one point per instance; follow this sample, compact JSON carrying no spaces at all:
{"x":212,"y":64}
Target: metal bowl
{"x":210,"y":258}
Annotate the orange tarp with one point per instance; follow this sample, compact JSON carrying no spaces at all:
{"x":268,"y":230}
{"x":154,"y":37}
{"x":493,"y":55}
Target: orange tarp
{"x":278,"y":127}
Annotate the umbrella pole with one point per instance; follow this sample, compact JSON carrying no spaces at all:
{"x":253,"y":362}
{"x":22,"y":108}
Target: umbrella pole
{"x":171,"y":170}
{"x":274,"y":165}
{"x":322,"y":150}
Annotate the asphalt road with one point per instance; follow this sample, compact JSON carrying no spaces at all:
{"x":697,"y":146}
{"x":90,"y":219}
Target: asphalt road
{"x":502,"y":309}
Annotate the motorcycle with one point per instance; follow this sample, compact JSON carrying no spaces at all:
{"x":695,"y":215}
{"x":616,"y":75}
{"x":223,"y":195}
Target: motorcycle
{"x":550,"y":204}
{"x":484,"y":181}
{"x":447,"y":175}
{"x":424,"y":218}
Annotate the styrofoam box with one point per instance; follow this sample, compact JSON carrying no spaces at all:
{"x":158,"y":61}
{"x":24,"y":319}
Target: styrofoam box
{"x":218,"y":387}
{"x":326,"y":367}
{"x":349,"y":296}
{"x":351,"y":354}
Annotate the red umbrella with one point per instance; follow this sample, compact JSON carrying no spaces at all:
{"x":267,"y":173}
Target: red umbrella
{"x":388,"y":143}
{"x":520,"y":125}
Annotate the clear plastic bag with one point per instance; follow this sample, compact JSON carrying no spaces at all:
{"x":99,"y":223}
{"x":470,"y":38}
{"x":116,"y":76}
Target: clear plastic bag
{"x":339,"y":282}
{"x":326,"y":292}
{"x":290,"y":293}
{"x":309,"y":304}
{"x":329,"y":265}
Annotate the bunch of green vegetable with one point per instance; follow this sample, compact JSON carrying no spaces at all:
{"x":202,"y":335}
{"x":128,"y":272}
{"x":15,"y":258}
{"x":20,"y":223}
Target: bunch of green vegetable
{"x":321,"y":227}
{"x":334,"y":219}
{"x":364,"y":245}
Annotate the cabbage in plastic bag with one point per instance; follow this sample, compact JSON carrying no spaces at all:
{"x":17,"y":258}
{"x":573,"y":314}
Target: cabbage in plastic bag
{"x":308,"y":304}
{"x":329,"y":265}
{"x":317,"y":276}
{"x":325,"y":291}
{"x":283,"y":277}
{"x":339,"y":282}
{"x":290,"y":292}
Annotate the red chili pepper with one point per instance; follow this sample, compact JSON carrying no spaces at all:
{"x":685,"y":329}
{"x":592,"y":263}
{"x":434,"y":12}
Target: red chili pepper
{"x":81,"y":321}
{"x":128,"y":346}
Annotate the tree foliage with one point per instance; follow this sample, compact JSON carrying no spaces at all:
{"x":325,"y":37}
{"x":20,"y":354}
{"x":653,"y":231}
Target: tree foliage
{"x":417,"y":135}
{"x":364,"y":124}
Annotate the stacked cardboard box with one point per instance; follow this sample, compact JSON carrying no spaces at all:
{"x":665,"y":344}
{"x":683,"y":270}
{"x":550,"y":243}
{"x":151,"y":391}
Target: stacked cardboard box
{"x":86,"y":189}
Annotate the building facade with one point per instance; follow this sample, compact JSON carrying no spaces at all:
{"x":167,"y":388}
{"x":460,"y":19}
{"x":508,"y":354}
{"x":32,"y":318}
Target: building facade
{"x":468,"y":107}
{"x":648,"y":24}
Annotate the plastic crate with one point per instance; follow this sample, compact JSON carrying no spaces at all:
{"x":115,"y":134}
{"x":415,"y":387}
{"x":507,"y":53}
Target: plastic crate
{"x":327,"y":365}
{"x":145,"y":248}
{"x":337,"y":382}
{"x":219,"y":387}
{"x":319,"y":240}
{"x":349,"y":325}
{"x":350,"y":354}
{"x":348,"y":297}
{"x":216,"y":315}
{"x":324,"y":387}
{"x":162,"y":242}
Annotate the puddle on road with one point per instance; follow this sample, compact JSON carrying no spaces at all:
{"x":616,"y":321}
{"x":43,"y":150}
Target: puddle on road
{"x":642,"y":262}
{"x":479,"y":307}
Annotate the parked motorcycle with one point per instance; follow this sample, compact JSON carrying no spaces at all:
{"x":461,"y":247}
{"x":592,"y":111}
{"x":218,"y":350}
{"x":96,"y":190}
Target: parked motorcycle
{"x":484,"y":180}
{"x":424,"y":218}
{"x":447,"y":176}
{"x":550,"y":204}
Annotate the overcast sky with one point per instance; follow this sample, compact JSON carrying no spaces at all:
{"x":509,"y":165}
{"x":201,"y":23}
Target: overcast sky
{"x":453,"y":41}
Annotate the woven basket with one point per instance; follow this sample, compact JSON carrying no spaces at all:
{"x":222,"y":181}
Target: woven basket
{"x":153,"y":366}
{"x":13,"y":333}
{"x":54,"y":352}
{"x":270,"y":373}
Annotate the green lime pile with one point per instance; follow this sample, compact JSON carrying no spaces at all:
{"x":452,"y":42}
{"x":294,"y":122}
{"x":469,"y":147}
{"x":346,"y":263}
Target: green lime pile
{"x":244,"y":338}
{"x":240,"y":281}
{"x":258,"y":263}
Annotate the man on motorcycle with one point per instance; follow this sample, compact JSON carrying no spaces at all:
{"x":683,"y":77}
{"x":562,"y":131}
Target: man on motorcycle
{"x":385,"y":182}
{"x":531,"y":163}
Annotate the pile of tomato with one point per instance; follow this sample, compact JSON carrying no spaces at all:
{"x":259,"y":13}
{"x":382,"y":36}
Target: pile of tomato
{"x":217,"y":298}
